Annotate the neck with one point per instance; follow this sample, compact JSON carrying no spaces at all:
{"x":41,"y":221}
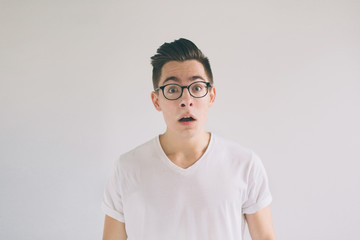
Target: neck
{"x":194,"y":145}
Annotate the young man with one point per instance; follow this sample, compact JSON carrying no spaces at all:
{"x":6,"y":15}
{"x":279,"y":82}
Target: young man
{"x":186,"y":183}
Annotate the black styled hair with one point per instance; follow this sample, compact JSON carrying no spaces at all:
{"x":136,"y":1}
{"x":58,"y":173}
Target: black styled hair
{"x":179,"y":50}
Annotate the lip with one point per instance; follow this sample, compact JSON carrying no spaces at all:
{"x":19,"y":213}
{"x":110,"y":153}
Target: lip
{"x":187,"y":115}
{"x":191,"y":123}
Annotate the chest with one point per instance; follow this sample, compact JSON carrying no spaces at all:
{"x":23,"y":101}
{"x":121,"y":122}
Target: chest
{"x":206,"y":188}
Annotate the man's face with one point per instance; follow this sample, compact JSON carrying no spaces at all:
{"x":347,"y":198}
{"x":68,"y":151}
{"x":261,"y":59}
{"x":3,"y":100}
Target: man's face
{"x":174,"y":111}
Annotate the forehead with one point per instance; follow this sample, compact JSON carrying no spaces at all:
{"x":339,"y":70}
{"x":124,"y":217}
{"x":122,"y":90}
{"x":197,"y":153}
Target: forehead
{"x":183,"y":71}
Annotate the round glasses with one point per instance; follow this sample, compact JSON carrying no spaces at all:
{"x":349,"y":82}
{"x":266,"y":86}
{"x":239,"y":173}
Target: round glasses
{"x":174,"y":91}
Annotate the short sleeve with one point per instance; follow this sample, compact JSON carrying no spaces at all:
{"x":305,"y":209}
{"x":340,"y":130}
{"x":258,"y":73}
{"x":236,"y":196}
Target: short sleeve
{"x":258,"y":192}
{"x":112,"y":201}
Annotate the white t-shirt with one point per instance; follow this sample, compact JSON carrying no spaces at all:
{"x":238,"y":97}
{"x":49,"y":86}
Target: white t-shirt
{"x":159,"y":200}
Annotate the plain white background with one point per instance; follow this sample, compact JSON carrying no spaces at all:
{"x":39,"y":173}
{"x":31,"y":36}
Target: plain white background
{"x":75,"y":94}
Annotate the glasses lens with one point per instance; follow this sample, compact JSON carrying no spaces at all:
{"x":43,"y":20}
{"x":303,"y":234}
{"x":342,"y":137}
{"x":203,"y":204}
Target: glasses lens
{"x":172,"y":91}
{"x":198,"y":89}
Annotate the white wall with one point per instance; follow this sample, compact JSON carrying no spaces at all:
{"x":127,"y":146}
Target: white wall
{"x":75,"y":94}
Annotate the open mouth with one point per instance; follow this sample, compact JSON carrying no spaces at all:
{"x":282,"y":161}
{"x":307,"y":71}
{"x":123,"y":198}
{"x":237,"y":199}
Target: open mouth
{"x":186,"y":119}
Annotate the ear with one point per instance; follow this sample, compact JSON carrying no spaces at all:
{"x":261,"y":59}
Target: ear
{"x":212,"y":94}
{"x":155,"y":100}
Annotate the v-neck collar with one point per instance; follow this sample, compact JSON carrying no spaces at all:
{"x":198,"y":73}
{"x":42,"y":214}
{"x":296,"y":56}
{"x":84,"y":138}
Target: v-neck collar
{"x":173,"y":166}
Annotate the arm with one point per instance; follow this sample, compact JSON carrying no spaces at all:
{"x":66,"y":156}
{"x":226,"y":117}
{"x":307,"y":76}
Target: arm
{"x":261,"y":225}
{"x":114,"y":229}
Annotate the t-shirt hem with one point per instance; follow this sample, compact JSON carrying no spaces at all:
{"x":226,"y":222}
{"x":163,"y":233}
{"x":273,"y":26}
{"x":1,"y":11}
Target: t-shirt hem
{"x":257,"y":206}
{"x":112,"y":213}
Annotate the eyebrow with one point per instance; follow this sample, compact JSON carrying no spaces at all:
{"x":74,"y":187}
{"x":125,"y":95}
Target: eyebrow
{"x":173,"y":78}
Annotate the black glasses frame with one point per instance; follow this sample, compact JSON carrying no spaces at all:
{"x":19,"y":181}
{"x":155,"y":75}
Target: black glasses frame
{"x":182,"y":89}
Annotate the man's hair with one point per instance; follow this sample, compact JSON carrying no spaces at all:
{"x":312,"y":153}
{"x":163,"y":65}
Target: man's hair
{"x":179,"y":50}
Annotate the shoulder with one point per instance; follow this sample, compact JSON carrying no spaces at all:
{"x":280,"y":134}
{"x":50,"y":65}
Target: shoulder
{"x":137,"y":156}
{"x":236,"y":152}
{"x":232,"y":148}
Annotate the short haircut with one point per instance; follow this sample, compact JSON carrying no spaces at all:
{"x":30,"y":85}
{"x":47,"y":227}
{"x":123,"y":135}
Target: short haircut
{"x":179,"y":50}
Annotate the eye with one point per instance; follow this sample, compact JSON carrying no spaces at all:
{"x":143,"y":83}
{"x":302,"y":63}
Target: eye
{"x":173,"y":89}
{"x":197,"y":88}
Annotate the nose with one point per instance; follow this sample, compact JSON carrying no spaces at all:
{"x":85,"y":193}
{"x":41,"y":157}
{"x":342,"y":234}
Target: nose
{"x":186,"y":99}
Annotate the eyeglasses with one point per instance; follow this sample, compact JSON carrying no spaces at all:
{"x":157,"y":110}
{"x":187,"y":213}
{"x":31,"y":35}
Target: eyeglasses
{"x":174,"y":91}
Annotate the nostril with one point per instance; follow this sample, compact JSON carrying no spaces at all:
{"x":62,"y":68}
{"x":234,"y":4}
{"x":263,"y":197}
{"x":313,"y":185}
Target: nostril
{"x":182,"y":105}
{"x":190,"y":104}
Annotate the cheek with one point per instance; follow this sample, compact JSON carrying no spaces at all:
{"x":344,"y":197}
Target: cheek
{"x":205,"y":114}
{"x":168,"y":112}
{"x":203,"y":110}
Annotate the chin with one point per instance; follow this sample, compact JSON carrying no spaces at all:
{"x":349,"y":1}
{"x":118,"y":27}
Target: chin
{"x":189,"y":133}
